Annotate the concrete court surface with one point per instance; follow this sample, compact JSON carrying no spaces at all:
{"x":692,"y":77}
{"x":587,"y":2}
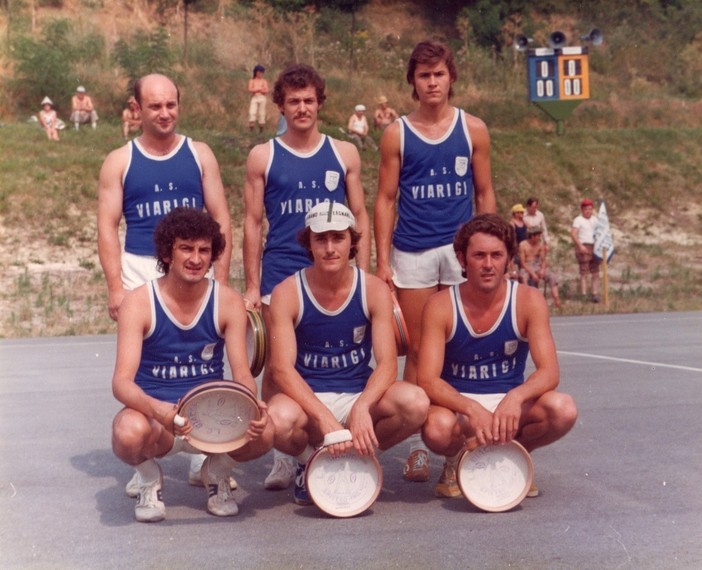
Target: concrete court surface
{"x":622,"y":490}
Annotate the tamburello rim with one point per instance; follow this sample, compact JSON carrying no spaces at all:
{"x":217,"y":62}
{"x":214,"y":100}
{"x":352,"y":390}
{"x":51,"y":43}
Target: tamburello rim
{"x":345,"y":486}
{"x":496,"y":478}
{"x":220,"y":412}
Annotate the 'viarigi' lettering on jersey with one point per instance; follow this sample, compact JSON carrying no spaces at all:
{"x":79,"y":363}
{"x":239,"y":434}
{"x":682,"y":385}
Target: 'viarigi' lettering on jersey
{"x":483,"y":371}
{"x":345,"y":360}
{"x":298,"y":206}
{"x":178,"y":371}
{"x":162,"y":207}
{"x":433,"y":191}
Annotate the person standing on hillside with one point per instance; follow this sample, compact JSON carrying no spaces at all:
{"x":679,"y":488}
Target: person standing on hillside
{"x":437,"y":159}
{"x":258,"y":87}
{"x":583,"y":234}
{"x":476,"y":339}
{"x":181,"y":317}
{"x":285,"y":178}
{"x":82,"y":109}
{"x":142,"y":181}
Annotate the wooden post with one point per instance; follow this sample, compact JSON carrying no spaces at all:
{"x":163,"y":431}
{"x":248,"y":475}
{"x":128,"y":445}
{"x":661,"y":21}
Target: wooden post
{"x":605,"y":280}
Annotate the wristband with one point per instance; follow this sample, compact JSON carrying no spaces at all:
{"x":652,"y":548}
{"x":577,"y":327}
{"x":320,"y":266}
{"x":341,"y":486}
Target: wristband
{"x":339,"y":436}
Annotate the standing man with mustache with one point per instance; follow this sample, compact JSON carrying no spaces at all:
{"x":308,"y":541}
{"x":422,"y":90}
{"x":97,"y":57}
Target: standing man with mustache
{"x":143,"y":181}
{"x":285,"y":178}
{"x":437,"y":161}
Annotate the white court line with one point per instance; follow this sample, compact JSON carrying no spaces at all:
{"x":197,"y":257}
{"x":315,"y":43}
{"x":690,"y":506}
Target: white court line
{"x":645,"y":362}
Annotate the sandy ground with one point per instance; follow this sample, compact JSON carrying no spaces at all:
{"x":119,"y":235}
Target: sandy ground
{"x":28,"y":262}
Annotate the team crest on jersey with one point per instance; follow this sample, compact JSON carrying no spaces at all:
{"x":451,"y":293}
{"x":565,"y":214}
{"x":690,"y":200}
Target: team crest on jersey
{"x":331,"y":180}
{"x":208,"y":352}
{"x":461,"y":166}
{"x":359,"y":333}
{"x":511,"y":347}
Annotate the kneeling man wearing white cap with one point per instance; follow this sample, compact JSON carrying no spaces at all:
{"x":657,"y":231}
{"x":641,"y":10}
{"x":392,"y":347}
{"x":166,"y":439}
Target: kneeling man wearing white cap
{"x":327,"y":321}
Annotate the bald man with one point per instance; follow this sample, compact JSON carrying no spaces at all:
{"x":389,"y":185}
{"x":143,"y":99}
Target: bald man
{"x":143,"y":181}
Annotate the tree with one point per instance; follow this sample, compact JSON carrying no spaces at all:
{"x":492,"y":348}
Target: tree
{"x":144,"y":53}
{"x":349,"y":6}
{"x":44,"y":67}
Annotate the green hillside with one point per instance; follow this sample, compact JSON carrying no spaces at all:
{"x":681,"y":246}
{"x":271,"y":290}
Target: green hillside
{"x":637,"y":143}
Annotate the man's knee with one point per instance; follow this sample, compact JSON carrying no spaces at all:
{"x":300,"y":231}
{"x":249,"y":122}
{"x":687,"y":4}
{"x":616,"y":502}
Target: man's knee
{"x":439,"y":428}
{"x":285,"y":414}
{"x":560,"y":409}
{"x":130,"y":430}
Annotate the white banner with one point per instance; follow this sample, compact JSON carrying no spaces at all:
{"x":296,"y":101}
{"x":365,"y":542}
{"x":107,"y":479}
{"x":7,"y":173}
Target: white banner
{"x":603,"y":235}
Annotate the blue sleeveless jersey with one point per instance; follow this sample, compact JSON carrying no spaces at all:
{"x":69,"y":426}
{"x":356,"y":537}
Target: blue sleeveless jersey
{"x":436,"y":186}
{"x":295,"y":183}
{"x":155,"y":185}
{"x":175,"y":357}
{"x":488,"y":363}
{"x":334,"y":348}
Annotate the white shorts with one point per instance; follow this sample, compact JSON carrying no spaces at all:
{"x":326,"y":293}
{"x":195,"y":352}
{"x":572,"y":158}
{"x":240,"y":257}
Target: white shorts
{"x":427,"y":268}
{"x":339,"y":403}
{"x":181,"y":445}
{"x":487,"y":401}
{"x":138,"y":269}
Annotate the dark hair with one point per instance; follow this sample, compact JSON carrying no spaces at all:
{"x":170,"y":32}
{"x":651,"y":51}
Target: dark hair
{"x":139,"y":83}
{"x":187,"y":224}
{"x":304,"y":238}
{"x":491,"y":224}
{"x":431,"y":53}
{"x":258,"y":67}
{"x":298,"y":76}
{"x":531,"y":201}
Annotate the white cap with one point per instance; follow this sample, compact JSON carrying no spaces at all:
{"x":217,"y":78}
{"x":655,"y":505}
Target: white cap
{"x":329,"y":216}
{"x":360,"y":107}
{"x":80,"y":89}
{"x":46,"y":101}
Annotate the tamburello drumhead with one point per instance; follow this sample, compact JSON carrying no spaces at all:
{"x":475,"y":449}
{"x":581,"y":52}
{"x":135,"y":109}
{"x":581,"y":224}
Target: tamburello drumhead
{"x":345,"y":486}
{"x":400,"y":327}
{"x":495,"y":478}
{"x":220,"y":413}
{"x":255,"y":341}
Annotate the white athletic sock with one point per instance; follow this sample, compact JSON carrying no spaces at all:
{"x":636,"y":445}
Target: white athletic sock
{"x":453,"y":459}
{"x":416,"y":443}
{"x":280,"y":456}
{"x":148,"y":471}
{"x":305,"y":455}
{"x":221,"y":464}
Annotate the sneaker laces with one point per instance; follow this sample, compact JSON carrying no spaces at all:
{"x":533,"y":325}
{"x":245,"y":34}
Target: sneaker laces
{"x":420,"y":459}
{"x":150,"y":495}
{"x":221,"y":489}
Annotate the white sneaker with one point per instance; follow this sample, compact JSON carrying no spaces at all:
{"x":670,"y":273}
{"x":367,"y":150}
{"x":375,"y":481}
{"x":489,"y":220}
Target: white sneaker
{"x":220,"y":500}
{"x":282,"y":474}
{"x":194,"y":473}
{"x":150,"y":507}
{"x":132,"y":487}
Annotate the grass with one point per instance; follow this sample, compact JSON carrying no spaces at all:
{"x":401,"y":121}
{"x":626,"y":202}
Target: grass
{"x":48,"y":201}
{"x":635,"y":144}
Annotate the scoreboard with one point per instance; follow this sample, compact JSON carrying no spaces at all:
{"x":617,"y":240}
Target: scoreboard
{"x":560,"y":74}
